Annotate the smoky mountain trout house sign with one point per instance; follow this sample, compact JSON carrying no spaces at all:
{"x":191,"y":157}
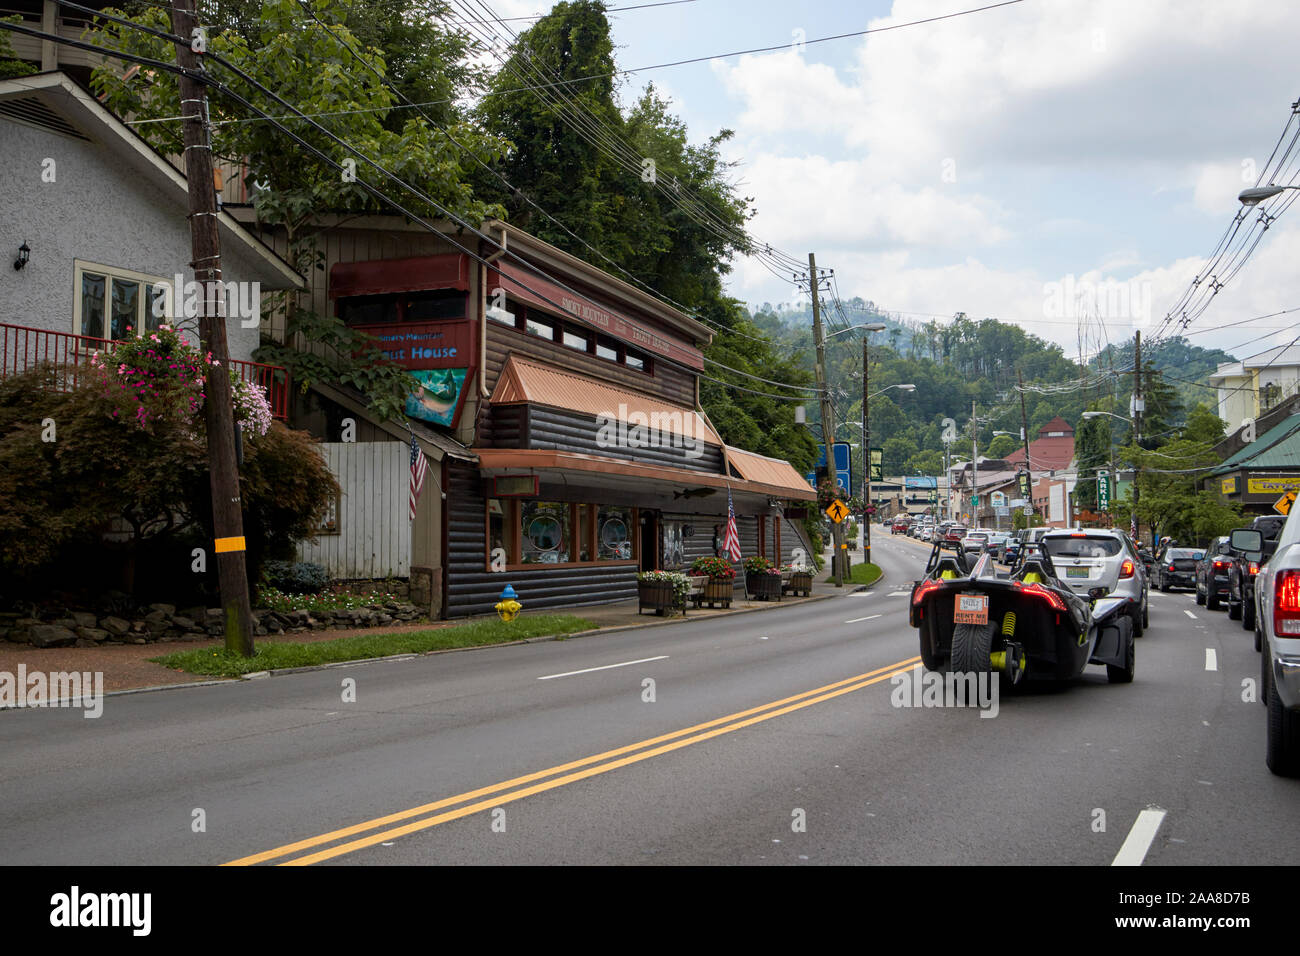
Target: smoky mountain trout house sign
{"x":437,"y":354}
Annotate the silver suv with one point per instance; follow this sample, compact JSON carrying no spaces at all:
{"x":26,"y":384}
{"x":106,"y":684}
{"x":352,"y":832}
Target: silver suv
{"x":1101,"y":558}
{"x":1277,"y":591}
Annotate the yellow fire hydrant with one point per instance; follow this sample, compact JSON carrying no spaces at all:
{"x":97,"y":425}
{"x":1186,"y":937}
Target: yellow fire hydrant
{"x":508,"y":607}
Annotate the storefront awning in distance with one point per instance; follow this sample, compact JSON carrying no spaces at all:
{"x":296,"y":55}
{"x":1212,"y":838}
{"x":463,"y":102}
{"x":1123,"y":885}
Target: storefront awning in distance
{"x":775,"y":472}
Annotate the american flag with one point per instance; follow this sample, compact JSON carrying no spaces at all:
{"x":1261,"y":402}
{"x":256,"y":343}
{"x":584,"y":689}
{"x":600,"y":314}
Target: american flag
{"x":419,"y":468}
{"x":731,"y":544}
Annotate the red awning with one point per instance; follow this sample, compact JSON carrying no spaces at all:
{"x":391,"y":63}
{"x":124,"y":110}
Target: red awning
{"x":399,"y":275}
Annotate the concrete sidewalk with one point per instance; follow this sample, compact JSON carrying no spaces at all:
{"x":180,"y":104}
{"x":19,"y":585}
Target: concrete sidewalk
{"x":127,"y":666}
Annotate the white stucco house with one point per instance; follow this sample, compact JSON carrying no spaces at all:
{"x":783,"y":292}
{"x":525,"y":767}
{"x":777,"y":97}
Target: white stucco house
{"x":1250,"y":387}
{"x":92,"y":222}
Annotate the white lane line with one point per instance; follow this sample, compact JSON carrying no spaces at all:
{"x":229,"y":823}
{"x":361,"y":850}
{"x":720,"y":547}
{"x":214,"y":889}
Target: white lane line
{"x":858,"y":620}
{"x":1189,"y":614}
{"x":860,"y":594}
{"x":899,"y":593}
{"x":1211,"y":660}
{"x":588,"y":670}
{"x":1139,"y":839}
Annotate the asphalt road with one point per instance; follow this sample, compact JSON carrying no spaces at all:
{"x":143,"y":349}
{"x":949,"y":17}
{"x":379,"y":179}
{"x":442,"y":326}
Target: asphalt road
{"x":764,"y":738}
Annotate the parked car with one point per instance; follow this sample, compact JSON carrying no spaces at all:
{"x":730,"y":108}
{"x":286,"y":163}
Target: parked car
{"x":975,"y":540}
{"x":1101,"y":558}
{"x":1212,"y":573}
{"x":1176,"y":568}
{"x":1245,"y":567}
{"x":997,"y":544}
{"x":1278,"y":588}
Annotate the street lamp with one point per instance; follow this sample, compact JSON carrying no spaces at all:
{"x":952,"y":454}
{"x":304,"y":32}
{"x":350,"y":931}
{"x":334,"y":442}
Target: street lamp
{"x":1257,"y":194}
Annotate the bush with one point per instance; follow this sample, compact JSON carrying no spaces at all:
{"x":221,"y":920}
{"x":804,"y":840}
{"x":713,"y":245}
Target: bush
{"x":295,"y":577}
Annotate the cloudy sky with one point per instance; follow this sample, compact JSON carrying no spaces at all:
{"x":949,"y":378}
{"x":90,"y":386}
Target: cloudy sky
{"x":975,"y":163}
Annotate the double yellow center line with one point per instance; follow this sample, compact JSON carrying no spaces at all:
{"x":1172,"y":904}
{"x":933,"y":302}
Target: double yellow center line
{"x":555,"y":777}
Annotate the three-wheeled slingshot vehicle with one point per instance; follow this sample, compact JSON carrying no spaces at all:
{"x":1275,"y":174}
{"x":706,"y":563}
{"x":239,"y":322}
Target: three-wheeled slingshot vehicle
{"x":1024,"y":624}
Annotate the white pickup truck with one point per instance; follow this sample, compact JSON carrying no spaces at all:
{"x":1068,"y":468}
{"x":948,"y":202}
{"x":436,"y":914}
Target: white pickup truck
{"x":1277,"y":593}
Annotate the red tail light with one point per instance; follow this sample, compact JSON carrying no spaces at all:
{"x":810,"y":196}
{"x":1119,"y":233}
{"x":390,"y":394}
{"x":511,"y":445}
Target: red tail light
{"x":1254,"y":567}
{"x":1126,"y":569}
{"x":1220,"y":564}
{"x":1286,"y":604}
{"x":1051,"y":597}
{"x":1172,"y":568}
{"x":923,"y":589}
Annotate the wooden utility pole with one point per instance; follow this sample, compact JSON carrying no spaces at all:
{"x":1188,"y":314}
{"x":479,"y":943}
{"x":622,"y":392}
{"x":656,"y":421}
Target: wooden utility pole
{"x":866,"y":456}
{"x":1138,"y":408}
{"x":1024,"y":438}
{"x":828,"y":420}
{"x":975,"y":468}
{"x":218,"y":408}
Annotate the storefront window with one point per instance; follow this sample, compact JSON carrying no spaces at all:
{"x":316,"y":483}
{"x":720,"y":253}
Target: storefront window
{"x":545,"y":532}
{"x":614,"y":533}
{"x":537,"y":325}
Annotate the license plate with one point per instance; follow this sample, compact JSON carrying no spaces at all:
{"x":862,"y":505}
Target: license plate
{"x":971,"y":609}
{"x":1078,"y":572}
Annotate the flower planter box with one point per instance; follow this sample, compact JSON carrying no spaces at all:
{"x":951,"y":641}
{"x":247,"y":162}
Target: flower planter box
{"x":658,"y":596}
{"x":800,"y":583}
{"x":719,"y":592}
{"x":762,"y":585}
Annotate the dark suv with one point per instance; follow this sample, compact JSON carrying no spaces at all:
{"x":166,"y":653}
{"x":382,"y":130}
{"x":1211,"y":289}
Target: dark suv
{"x":1176,"y":568}
{"x":1244,"y":567}
{"x":1212,"y":574}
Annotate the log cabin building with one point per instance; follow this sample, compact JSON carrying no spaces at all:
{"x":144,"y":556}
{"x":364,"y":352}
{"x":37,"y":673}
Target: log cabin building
{"x":560,"y":415}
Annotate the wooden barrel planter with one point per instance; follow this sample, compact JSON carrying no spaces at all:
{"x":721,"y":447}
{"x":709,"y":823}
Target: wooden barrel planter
{"x":800,"y":583}
{"x":657,"y":596}
{"x":762,"y":585}
{"x":715,"y":592}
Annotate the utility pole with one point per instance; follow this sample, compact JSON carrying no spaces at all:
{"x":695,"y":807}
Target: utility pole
{"x":828,"y":420}
{"x":1024,"y":438}
{"x":975,"y":468}
{"x":1138,"y":408}
{"x":866,"y":457}
{"x":218,"y":408}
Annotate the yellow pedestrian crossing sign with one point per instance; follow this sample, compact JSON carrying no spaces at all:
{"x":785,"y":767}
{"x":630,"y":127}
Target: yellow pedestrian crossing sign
{"x":1283,"y":504}
{"x":837,"y":511}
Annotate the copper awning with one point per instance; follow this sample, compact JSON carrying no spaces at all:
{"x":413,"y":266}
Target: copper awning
{"x":524,"y":381}
{"x":541,"y":460}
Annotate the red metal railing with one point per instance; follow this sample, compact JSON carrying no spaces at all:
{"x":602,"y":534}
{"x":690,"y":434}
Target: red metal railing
{"x":22,"y":348}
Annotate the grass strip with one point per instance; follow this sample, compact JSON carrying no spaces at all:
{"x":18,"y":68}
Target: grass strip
{"x":220,"y":663}
{"x":859,"y":574}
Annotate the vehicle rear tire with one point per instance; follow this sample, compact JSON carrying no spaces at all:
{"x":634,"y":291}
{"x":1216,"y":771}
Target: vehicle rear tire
{"x":1146,"y":612}
{"x":1264,"y":678}
{"x":1248,"y":617}
{"x":971,"y":644}
{"x":1124,"y":675}
{"x":1164,"y":585}
{"x":1200,"y":596}
{"x":1234,"y":609}
{"x":1259,"y":637}
{"x":1283,"y":752}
